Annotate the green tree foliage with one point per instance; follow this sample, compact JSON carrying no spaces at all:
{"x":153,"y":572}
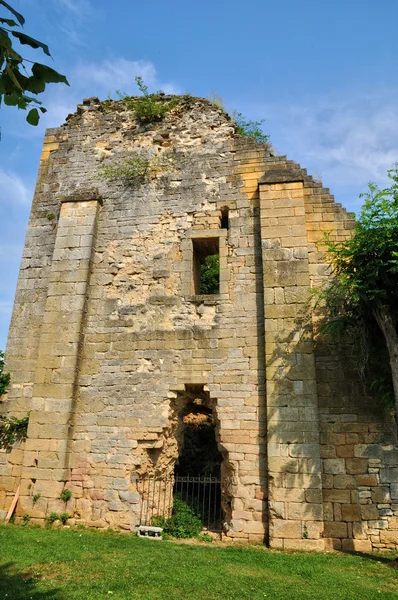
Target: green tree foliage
{"x":4,"y":377}
{"x":364,"y":290}
{"x":210,"y":275}
{"x":19,"y":83}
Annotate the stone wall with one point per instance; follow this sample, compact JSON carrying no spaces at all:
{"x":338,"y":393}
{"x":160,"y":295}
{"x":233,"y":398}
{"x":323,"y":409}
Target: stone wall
{"x":109,"y":336}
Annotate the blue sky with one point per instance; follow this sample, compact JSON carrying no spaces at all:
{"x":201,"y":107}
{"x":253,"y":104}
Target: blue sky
{"x":323,"y":75}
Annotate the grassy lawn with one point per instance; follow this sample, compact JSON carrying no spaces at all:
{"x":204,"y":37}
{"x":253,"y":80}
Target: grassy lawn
{"x":70,"y":564}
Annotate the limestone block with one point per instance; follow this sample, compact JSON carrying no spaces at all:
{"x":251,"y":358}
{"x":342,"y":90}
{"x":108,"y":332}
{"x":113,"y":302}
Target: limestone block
{"x":279,"y":528}
{"x":304,"y":544}
{"x":336,"y":530}
{"x":369,"y":512}
{"x":389,"y":536}
{"x":334,"y":466}
{"x":356,"y":465}
{"x":305,"y":511}
{"x":255,"y":527}
{"x":381,"y":495}
{"x":342,"y":496}
{"x":130,"y":497}
{"x":351,"y":512}
{"x":357,"y":545}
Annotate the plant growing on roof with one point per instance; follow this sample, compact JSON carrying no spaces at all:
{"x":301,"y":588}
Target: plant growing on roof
{"x":249,"y":129}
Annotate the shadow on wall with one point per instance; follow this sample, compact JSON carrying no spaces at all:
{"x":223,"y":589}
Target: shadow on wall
{"x":351,"y":428}
{"x":261,"y":381}
{"x":295,"y":491}
{"x":18,"y":585}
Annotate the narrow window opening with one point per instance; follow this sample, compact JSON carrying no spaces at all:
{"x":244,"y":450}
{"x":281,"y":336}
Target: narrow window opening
{"x":206,"y":266}
{"x":225,"y":218}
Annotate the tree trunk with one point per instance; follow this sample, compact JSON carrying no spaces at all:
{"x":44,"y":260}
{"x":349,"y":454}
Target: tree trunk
{"x":386,"y":323}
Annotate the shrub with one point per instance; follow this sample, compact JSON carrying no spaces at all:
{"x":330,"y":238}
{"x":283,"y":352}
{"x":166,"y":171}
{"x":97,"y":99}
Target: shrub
{"x":136,"y":168}
{"x":249,"y":129}
{"x":12,"y":429}
{"x":35,"y":498}
{"x":149,"y":108}
{"x":63,"y":517}
{"x":128,"y":170}
{"x":4,"y":377}
{"x":66,"y":495}
{"x":52,"y":517}
{"x":183,"y":523}
{"x":210,"y":275}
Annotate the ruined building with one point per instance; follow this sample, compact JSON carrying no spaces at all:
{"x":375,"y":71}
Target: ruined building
{"x":113,"y":342}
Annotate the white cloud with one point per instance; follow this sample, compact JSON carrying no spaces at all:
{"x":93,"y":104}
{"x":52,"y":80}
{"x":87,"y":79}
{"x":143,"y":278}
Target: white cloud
{"x":114,"y":74}
{"x":99,"y":79}
{"x":348,"y":142}
{"x":78,"y":7}
{"x":13,"y":190}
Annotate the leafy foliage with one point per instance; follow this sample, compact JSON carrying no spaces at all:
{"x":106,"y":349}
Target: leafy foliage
{"x":51,"y":518}
{"x":12,"y":430}
{"x":210,"y":275}
{"x":135,"y":169}
{"x":63,"y":517}
{"x":128,"y":170}
{"x":16,"y":83}
{"x":66,"y":495}
{"x":249,"y":129}
{"x":363,"y":290}
{"x":149,"y":108}
{"x":4,"y":377}
{"x":184,"y":522}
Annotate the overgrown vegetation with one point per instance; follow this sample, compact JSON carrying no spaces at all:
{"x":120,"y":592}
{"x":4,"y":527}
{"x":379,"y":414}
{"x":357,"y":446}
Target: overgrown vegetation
{"x":136,"y":168}
{"x":12,"y":430}
{"x":210,"y":275}
{"x":149,"y":108}
{"x":249,"y":129}
{"x":51,"y":518}
{"x":4,"y":377}
{"x":361,"y":299}
{"x":184,"y":522}
{"x":66,"y":495}
{"x":47,"y":563}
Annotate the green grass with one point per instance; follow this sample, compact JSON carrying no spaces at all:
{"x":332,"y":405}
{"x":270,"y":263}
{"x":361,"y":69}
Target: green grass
{"x":56,"y":564}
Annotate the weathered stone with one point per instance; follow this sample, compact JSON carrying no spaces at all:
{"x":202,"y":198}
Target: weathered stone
{"x":130,"y":497}
{"x":113,"y":344}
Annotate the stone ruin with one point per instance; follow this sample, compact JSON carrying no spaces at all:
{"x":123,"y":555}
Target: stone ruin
{"x":112,"y":336}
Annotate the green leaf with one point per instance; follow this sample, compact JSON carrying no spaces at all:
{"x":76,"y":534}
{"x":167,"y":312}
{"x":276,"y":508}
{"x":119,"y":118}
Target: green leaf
{"x":9,"y":22}
{"x":11,"y":99}
{"x":33,"y":117}
{"x":29,"y":41}
{"x":12,"y":76}
{"x":47,"y":74}
{"x":5,"y":41}
{"x":16,"y":14}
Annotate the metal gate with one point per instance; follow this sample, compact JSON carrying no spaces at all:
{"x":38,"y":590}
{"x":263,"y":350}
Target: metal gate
{"x":201,"y":494}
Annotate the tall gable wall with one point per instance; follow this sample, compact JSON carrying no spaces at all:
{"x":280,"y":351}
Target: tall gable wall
{"x":116,"y":338}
